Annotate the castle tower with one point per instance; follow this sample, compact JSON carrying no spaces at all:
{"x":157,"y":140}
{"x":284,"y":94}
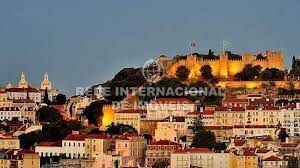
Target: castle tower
{"x":275,"y":59}
{"x":9,"y":85}
{"x":224,"y":65}
{"x":46,"y":83}
{"x":22,"y":82}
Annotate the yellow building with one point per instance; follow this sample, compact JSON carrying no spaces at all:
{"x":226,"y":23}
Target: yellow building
{"x":225,"y":116}
{"x":19,"y":158}
{"x":96,"y":145}
{"x":132,"y":149}
{"x":224,"y":65}
{"x":9,"y":143}
{"x":267,"y":115}
{"x":252,"y":115}
{"x":245,"y":159}
{"x":129,"y":117}
{"x":4,"y":102}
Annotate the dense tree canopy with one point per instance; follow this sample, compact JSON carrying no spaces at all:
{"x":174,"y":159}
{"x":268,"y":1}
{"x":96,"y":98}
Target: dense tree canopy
{"x":206,"y":72}
{"x":272,"y":74}
{"x":94,"y":112}
{"x":120,"y":129}
{"x":49,"y":114}
{"x":182,"y":73}
{"x":60,"y":99}
{"x":127,"y":77}
{"x":160,"y":164}
{"x":248,"y":73}
{"x":55,"y":131}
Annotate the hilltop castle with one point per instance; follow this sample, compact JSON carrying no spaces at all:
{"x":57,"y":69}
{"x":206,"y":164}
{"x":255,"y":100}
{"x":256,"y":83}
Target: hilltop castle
{"x":225,"y":65}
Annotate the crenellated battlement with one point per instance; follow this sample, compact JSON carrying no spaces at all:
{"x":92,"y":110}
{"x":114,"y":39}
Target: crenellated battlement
{"x":227,"y":64}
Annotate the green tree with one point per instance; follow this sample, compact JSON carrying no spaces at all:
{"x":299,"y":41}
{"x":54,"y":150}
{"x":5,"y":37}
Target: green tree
{"x":60,"y":99}
{"x":120,"y":129}
{"x":182,"y":73}
{"x":202,"y":138}
{"x":160,"y":164}
{"x":282,"y":135}
{"x":206,"y":72}
{"x":46,"y":97}
{"x":272,"y":74}
{"x":51,"y":132}
{"x":94,"y":112}
{"x":248,"y":73}
{"x":49,"y":114}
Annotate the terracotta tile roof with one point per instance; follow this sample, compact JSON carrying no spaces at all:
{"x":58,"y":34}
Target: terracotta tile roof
{"x":49,"y":143}
{"x":75,"y":137}
{"x":193,"y":113}
{"x":290,"y":106}
{"x":132,"y":111}
{"x":193,"y":150}
{"x":208,"y":112}
{"x":251,"y":107}
{"x":59,"y":108}
{"x":172,"y":101}
{"x":23,"y":101}
{"x":175,"y":119}
{"x":239,"y":142}
{"x":221,"y":108}
{"x":291,"y":145}
{"x":249,"y":153}
{"x":97,"y":136}
{"x":272,"y":158}
{"x":271,"y":108}
{"x":164,"y":142}
{"x":21,"y":90}
{"x":262,"y":101}
{"x":262,"y":150}
{"x":234,"y":100}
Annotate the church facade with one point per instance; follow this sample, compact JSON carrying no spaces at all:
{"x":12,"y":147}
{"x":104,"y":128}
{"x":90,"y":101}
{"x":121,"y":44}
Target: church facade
{"x":24,"y":91}
{"x":225,"y":65}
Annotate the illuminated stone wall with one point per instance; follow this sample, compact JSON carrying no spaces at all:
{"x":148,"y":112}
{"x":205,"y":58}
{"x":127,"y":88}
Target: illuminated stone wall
{"x":108,"y":116}
{"x":256,"y":84}
{"x":224,"y":67}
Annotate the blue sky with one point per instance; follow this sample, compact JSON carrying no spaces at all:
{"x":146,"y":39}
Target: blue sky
{"x":80,"y":43}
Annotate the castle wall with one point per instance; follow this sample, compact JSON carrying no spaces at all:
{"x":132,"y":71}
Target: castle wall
{"x":235,"y":66}
{"x":214,"y":64}
{"x":256,"y":84}
{"x":262,"y":63}
{"x":227,"y":68}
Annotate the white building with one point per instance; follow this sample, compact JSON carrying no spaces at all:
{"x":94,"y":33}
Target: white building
{"x":274,"y":162}
{"x":21,"y":113}
{"x":73,"y":146}
{"x":291,"y":119}
{"x":165,"y":107}
{"x":200,"y":157}
{"x":249,"y":131}
{"x":49,"y":149}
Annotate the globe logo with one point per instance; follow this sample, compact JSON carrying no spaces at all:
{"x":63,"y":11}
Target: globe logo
{"x":152,"y":71}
